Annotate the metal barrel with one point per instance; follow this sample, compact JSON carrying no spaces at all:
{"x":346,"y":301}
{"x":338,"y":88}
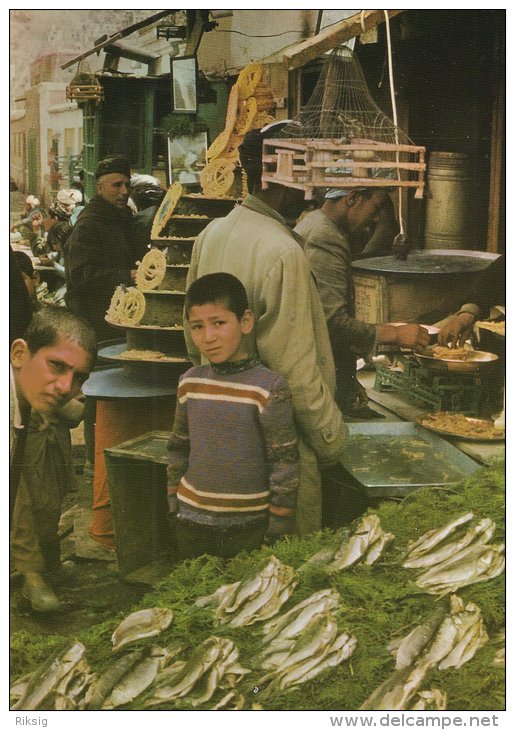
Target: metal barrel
{"x":449,"y":202}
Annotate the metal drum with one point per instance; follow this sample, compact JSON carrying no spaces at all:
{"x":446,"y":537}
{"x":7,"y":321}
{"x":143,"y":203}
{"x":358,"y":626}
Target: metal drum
{"x":449,"y":201}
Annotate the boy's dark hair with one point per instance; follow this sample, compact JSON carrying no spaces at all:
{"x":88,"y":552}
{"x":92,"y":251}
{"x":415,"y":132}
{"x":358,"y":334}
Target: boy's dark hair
{"x":219,"y":287}
{"x":51,"y":323}
{"x":24,"y":262}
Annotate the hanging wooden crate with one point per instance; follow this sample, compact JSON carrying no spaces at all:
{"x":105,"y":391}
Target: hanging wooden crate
{"x":307,"y":164}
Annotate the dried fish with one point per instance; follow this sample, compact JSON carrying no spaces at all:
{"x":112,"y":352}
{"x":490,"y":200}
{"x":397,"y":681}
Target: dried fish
{"x":431,"y":538}
{"x":341,"y":649}
{"x":411,"y":647}
{"x":478,"y":534}
{"x":99,"y":690}
{"x":376,"y":549}
{"x":141,"y":625}
{"x":367,"y":532}
{"x":268,"y":602}
{"x":73,"y":686}
{"x":202,"y":659}
{"x":136,"y":681}
{"x":45,"y":679}
{"x":396,"y":692}
{"x":484,"y":563}
{"x":432,"y":699}
{"x":293,"y":621}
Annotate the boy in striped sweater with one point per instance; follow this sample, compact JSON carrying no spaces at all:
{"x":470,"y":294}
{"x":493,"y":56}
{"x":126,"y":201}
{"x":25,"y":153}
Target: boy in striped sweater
{"x":233,"y":462}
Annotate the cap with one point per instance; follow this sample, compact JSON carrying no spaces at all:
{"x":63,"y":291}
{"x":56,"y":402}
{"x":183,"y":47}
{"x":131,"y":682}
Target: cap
{"x":139,"y":179}
{"x":120,"y":165}
{"x":32,"y":201}
{"x":335,"y":193}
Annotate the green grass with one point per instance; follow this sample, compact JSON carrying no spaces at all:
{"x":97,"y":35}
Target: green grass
{"x":378,"y":602}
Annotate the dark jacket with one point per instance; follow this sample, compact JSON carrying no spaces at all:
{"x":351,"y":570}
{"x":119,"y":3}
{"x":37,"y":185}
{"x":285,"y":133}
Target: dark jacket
{"x":98,"y":257}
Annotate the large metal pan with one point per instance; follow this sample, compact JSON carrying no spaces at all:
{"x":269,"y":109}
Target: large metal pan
{"x":476,"y":360}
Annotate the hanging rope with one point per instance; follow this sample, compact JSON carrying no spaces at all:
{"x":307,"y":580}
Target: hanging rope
{"x":394,"y":109}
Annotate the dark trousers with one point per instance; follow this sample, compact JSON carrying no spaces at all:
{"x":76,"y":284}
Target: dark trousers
{"x":194,"y":540}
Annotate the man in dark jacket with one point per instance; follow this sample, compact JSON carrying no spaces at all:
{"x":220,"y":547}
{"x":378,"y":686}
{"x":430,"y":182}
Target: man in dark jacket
{"x":99,"y":253}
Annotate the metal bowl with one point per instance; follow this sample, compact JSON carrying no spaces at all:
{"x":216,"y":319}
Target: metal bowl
{"x":476,"y":360}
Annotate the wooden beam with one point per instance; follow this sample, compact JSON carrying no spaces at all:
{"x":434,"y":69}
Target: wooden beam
{"x":334,"y":36}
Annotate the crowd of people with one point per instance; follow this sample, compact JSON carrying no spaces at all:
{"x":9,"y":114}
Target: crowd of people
{"x":270,"y":327}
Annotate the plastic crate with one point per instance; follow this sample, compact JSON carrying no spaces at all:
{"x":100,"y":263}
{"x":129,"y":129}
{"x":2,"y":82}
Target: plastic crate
{"x":464,"y":393}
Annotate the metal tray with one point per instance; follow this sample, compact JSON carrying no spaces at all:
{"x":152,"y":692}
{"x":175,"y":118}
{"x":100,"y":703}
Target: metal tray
{"x":116,"y":353}
{"x":476,"y":360}
{"x":496,"y":436}
{"x":392,"y":459}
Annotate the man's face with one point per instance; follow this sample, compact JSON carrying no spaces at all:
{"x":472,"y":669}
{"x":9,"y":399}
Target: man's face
{"x":50,"y":377}
{"x":362,"y":211}
{"x":217,"y":331}
{"x":114,"y":189}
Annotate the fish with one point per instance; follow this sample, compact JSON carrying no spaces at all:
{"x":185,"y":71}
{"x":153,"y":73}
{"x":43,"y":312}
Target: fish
{"x":207,"y":686}
{"x":141,"y":625}
{"x":377,"y":547}
{"x":412,"y":645}
{"x":474,"y":638}
{"x":269,"y":601}
{"x":201,"y":659}
{"x":328,"y":598}
{"x":484,"y":563}
{"x":431,"y":538}
{"x":477,"y":534}
{"x":431,"y":699}
{"x":317,"y":638}
{"x":132,"y":684}
{"x":443,"y":642}
{"x":322,"y":557}
{"x":20,"y":685}
{"x":45,"y":679}
{"x":99,"y":690}
{"x":221,"y":597}
{"x":396,"y":692}
{"x":368,"y":530}
{"x":74,"y":685}
{"x":339,"y":651}
{"x":254,"y":584}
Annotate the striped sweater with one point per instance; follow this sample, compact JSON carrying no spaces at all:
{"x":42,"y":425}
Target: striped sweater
{"x":233,"y":453}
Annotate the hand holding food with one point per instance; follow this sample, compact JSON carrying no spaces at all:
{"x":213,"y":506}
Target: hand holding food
{"x":456,"y":329}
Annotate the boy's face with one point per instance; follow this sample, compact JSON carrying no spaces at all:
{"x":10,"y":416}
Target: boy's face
{"x":217,"y":332}
{"x":50,"y":377}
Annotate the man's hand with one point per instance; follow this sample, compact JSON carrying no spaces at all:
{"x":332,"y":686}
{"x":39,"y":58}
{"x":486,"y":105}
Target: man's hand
{"x":413,"y":336}
{"x":36,"y":220}
{"x":410,"y":336}
{"x":456,"y":329}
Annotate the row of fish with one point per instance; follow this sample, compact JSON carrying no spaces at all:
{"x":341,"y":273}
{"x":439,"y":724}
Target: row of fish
{"x":444,"y":640}
{"x":450,"y":562}
{"x":258,"y":598}
{"x":296,"y":645}
{"x":366,"y":543}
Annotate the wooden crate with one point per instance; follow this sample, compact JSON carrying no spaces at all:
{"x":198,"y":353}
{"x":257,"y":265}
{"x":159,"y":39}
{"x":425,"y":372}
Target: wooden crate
{"x":307,"y":164}
{"x":136,"y":472}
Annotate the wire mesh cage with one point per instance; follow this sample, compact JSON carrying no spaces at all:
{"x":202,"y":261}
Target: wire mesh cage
{"x":342,"y":139}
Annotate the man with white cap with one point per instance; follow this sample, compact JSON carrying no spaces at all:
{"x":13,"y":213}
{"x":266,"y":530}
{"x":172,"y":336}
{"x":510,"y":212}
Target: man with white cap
{"x":348,"y":212}
{"x":33,"y":216}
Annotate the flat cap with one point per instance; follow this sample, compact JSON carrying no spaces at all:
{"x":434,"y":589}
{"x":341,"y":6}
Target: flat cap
{"x":121,"y":165}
